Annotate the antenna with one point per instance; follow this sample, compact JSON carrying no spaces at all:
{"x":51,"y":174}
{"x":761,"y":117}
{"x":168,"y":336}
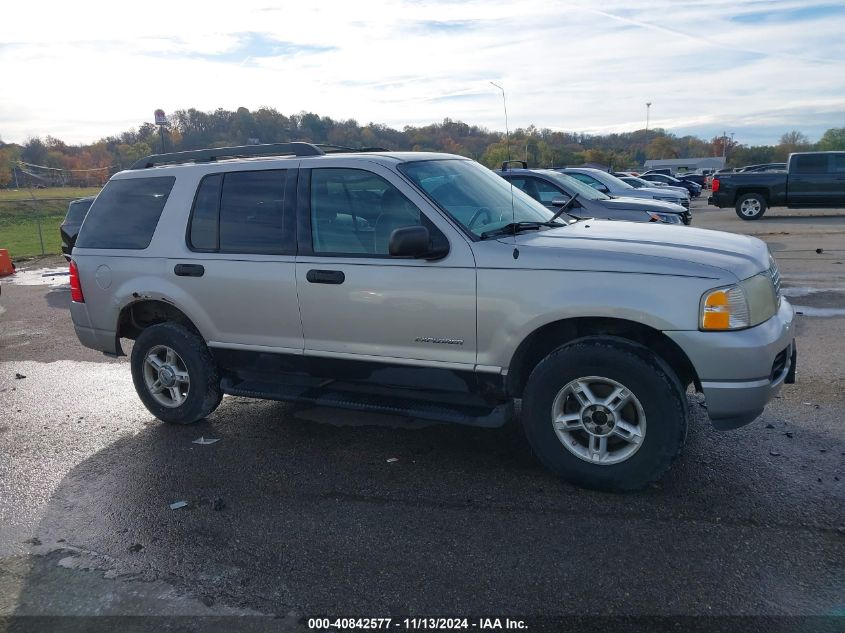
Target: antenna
{"x":508,"y":147}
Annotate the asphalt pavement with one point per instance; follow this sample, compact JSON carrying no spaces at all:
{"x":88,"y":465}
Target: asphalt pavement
{"x":298,"y":511}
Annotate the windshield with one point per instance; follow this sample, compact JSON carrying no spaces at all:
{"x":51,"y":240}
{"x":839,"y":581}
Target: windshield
{"x":573,"y":186}
{"x":473,"y":195}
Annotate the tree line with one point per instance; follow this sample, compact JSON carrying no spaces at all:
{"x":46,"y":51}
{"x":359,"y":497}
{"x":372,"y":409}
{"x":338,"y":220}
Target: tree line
{"x":540,"y":147}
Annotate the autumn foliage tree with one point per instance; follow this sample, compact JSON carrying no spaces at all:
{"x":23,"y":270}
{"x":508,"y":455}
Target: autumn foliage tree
{"x":541,"y":147}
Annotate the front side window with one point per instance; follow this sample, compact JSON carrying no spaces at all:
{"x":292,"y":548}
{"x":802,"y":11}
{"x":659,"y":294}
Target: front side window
{"x":473,"y":195}
{"x":126,"y":213}
{"x":240,"y":212}
{"x":354,"y":212}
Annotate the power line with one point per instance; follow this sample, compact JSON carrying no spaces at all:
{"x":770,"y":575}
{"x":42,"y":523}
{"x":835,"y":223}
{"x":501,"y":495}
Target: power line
{"x":20,"y":162}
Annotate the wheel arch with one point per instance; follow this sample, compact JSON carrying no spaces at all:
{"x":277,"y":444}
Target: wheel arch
{"x":762,"y":191}
{"x":545,"y":339}
{"x":138,"y":315}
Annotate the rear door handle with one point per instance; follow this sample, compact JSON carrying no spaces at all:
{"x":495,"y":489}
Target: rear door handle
{"x":189,"y":270}
{"x":325,"y":276}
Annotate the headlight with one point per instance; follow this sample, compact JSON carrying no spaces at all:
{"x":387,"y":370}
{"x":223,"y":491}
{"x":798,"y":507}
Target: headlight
{"x":743,"y":305}
{"x":668,"y":218}
{"x":724,"y":309}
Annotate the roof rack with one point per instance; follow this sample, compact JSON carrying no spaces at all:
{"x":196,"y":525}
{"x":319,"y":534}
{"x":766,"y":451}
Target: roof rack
{"x":296,"y":148}
{"x":337,"y":149}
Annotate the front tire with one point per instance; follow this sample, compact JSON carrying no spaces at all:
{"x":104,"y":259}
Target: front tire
{"x":174,"y":374}
{"x":751,"y":206}
{"x":605,"y":413}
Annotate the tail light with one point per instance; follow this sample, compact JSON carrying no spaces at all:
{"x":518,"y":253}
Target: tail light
{"x":75,"y":286}
{"x":715,"y":185}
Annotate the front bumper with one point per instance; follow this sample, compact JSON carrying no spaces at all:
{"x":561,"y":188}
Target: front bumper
{"x":741,"y":371}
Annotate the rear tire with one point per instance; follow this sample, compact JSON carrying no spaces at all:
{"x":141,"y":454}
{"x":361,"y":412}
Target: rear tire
{"x":751,"y":206}
{"x":570,"y":414}
{"x":174,"y":374}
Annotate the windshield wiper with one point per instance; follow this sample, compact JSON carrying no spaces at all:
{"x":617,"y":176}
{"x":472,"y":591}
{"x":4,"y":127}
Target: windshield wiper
{"x":513,"y":228}
{"x":564,"y":209}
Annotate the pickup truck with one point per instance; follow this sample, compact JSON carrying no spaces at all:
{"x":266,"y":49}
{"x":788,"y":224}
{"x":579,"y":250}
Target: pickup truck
{"x":811,"y":180}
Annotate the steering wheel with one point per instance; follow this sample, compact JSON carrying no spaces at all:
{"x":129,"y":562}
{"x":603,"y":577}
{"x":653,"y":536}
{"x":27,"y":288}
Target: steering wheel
{"x":481,"y":211}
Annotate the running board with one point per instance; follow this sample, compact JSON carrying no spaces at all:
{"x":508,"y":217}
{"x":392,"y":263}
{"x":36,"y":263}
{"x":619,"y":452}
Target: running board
{"x":333,"y":395}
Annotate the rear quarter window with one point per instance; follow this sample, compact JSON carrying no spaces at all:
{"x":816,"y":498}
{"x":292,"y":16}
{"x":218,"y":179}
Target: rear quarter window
{"x":126,"y":213}
{"x":810,"y":164}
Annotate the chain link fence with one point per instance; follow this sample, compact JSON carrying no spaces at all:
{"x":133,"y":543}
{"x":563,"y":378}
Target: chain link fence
{"x":29,"y":220}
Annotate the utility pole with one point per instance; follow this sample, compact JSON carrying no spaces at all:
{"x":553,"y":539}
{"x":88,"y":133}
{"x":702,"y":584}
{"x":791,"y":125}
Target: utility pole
{"x":724,"y":143}
{"x":647,"y":113}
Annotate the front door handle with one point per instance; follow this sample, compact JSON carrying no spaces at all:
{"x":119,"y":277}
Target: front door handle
{"x":189,"y":270}
{"x":325,"y":276}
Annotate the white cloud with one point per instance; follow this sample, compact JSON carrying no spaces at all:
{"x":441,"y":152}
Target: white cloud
{"x":80,"y":72}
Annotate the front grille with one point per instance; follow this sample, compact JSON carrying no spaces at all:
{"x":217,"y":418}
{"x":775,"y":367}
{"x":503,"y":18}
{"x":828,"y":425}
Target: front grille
{"x":780,"y":364}
{"x":685,"y":203}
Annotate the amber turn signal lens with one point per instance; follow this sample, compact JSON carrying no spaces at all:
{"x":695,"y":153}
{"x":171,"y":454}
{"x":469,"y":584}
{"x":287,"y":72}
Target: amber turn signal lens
{"x":717,"y":312}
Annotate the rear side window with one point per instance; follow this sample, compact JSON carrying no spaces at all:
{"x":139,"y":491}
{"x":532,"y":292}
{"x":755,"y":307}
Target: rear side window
{"x":240,"y":212}
{"x":126,"y":213}
{"x":76,"y":211}
{"x":810,"y":164}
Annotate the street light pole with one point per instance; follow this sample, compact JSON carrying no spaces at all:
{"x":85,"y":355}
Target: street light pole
{"x":507,"y":133}
{"x":647,"y":113}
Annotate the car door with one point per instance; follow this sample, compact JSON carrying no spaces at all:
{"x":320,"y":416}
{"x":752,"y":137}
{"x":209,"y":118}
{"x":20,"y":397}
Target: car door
{"x":809,"y":181}
{"x":358,"y":302}
{"x":238,"y":266}
{"x":837,"y":169}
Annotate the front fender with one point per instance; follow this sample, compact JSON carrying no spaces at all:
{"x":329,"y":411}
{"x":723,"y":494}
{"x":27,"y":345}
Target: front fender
{"x":512,"y":304}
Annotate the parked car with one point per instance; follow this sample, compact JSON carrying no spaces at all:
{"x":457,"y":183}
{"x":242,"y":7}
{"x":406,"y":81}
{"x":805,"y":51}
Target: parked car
{"x":424,"y":285}
{"x":763,"y":167}
{"x":553,"y":190}
{"x":812,"y":180}
{"x":69,"y":228}
{"x":693,"y":188}
{"x":691,"y":176}
{"x":611,"y":185}
{"x":639,"y":183}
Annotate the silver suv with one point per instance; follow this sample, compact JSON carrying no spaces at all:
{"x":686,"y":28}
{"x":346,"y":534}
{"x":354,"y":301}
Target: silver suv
{"x":424,"y":285}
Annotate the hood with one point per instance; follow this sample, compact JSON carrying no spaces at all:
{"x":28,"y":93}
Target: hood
{"x":680,"y":191}
{"x":643,"y":204}
{"x":645,"y":247}
{"x":650,"y":192}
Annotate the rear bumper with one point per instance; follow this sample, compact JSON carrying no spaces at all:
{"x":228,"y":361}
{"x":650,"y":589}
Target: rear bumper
{"x":740,"y":372}
{"x":102,"y":340}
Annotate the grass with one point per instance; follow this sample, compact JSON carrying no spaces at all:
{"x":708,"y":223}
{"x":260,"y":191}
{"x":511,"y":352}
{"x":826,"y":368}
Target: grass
{"x":20,"y":217}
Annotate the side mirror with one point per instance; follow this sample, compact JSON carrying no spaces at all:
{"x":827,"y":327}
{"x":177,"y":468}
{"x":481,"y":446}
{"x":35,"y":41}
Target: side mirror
{"x":409,"y":241}
{"x":559,"y":201}
{"x":602,"y":188}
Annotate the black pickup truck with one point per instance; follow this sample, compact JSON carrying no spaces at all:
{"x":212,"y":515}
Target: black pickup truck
{"x":811,"y":180}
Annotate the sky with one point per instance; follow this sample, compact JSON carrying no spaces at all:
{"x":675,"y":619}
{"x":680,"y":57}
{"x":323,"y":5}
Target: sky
{"x":83,"y":70}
